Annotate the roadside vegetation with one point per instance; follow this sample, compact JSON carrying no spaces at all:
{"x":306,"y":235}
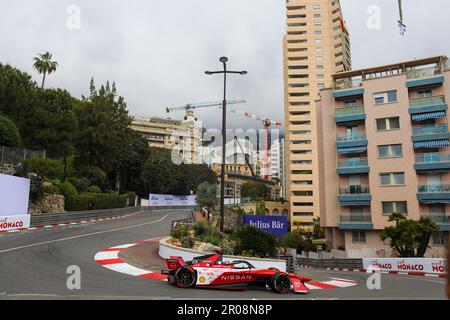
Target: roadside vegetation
{"x":93,"y":158}
{"x":409,"y":238}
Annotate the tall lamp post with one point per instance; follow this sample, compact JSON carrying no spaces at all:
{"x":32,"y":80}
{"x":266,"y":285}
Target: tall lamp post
{"x":224,"y":61}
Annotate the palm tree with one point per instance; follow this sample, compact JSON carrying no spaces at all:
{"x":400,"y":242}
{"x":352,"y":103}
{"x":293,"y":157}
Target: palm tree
{"x":43,"y":64}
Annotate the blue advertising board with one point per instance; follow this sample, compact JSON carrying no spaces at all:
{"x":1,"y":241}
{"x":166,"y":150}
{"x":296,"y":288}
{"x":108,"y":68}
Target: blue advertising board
{"x":276,"y":225}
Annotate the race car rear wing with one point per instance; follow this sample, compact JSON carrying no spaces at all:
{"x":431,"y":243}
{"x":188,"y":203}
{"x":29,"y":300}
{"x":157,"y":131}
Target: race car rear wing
{"x":175,"y":263}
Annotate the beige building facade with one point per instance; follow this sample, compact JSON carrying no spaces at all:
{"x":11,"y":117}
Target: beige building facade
{"x":316,"y":45}
{"x":184,"y":136}
{"x":384,"y":147}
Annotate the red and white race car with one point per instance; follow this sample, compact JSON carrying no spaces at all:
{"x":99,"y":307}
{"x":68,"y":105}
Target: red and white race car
{"x":211,"y":271}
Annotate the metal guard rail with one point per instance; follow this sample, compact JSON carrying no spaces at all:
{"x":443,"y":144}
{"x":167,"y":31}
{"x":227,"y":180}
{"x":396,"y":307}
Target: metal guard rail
{"x":44,"y":219}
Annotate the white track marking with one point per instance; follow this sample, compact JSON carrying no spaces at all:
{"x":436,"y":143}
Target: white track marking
{"x":340,"y":284}
{"x":104,"y":255}
{"x":311,"y":287}
{"x":84,"y":235}
{"x":126,"y":268}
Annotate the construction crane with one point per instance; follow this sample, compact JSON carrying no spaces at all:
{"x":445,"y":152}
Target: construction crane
{"x":267,"y":123}
{"x":401,"y":24}
{"x":191,"y":106}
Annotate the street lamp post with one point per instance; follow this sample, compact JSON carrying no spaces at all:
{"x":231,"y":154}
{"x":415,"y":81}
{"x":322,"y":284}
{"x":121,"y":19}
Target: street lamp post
{"x":224,"y":61}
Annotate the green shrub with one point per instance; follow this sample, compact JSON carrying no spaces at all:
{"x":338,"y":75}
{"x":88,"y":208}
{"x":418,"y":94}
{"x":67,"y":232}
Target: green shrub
{"x":254,"y":241}
{"x":97,"y":201}
{"x":67,"y":189}
{"x":81,"y":184}
{"x":9,"y":134}
{"x":36,"y":188}
{"x":179,"y":231}
{"x":293,"y":240}
{"x":213,"y":238}
{"x":45,"y":167}
{"x":51,"y":189}
{"x":187,"y":242}
{"x":94,"y":189}
{"x":201,"y":229}
{"x":228,"y":246}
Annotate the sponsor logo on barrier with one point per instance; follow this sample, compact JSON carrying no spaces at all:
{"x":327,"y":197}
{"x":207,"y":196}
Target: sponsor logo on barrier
{"x":423,"y":265}
{"x":14,"y":222}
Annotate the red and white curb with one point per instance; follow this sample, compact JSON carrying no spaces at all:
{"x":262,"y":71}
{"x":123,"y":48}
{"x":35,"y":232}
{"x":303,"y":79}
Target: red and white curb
{"x":59,"y":225}
{"x":109,"y":258}
{"x":423,"y":274}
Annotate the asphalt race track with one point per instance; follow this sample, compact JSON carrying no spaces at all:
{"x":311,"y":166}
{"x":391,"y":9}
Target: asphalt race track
{"x":34,"y":264}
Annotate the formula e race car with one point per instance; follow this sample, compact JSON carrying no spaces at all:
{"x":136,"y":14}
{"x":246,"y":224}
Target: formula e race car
{"x":211,"y":271}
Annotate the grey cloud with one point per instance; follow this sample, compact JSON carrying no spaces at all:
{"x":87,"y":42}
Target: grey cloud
{"x":157,"y":51}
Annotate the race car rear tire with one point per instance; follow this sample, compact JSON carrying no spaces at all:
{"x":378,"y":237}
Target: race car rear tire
{"x":280,"y":283}
{"x":185,"y":277}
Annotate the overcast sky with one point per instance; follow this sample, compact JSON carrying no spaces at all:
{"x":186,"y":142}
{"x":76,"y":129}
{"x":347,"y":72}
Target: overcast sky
{"x":157,"y":51}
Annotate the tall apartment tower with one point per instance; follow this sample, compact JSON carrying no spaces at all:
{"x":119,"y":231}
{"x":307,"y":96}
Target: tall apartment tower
{"x":316,"y":45}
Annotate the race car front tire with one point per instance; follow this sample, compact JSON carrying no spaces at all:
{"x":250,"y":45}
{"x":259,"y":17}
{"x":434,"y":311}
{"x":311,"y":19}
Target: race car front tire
{"x":185,"y":277}
{"x":280,"y":283}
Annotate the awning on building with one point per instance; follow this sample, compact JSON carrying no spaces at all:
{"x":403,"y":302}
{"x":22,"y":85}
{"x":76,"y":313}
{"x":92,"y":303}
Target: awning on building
{"x":352,"y":150}
{"x":431,"y":144}
{"x":432,"y":201}
{"x":355,"y":203}
{"x":428,"y":115}
{"x":433,"y":170}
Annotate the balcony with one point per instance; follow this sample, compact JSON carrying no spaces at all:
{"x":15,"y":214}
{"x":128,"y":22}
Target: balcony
{"x":434,"y":193}
{"x":356,"y":221}
{"x":349,"y":114}
{"x":348,"y":87}
{"x":352,"y":142}
{"x":431,"y":136}
{"x":355,"y":196}
{"x":432,"y":162}
{"x":427,"y":105}
{"x":442,"y":220}
{"x":353,"y":166}
{"x":425,"y":76}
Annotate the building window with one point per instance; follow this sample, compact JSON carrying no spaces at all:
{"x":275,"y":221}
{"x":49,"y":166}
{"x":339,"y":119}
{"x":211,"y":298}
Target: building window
{"x":316,"y":15}
{"x":319,"y":58}
{"x":392,"y":178}
{"x":437,"y":209}
{"x":319,"y":67}
{"x":318,"y":40}
{"x":316,"y":6}
{"x":389,"y":207}
{"x":385,"y":97}
{"x":390,"y":151}
{"x":303,"y":204}
{"x":359,"y":236}
{"x":350,"y":103}
{"x":318,"y":32}
{"x":388,"y":124}
{"x":424,"y":94}
{"x":320,"y":76}
{"x":317,"y":24}
{"x":440,"y":239}
{"x":321,"y":85}
{"x":303,"y":214}
{"x":301,"y":172}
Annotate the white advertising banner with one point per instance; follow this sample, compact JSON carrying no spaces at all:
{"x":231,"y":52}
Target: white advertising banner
{"x":14,"y":222}
{"x":14,"y":195}
{"x":420,"y":265}
{"x":171,"y":200}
